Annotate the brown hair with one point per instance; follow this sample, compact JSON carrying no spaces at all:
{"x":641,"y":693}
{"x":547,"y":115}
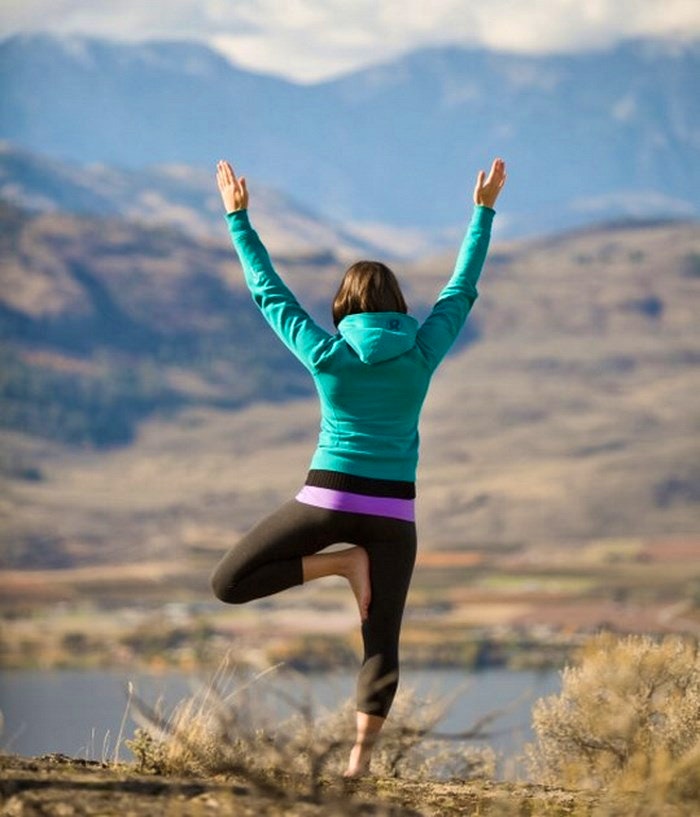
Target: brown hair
{"x":368,"y":286}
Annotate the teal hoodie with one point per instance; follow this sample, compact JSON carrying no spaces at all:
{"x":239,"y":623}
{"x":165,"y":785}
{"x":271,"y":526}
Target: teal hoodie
{"x":373,"y":374}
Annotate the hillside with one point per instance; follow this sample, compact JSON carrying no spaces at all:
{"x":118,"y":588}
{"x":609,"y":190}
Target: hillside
{"x":587,"y":135}
{"x":575,"y":414}
{"x":105,"y":321}
{"x":566,"y":413}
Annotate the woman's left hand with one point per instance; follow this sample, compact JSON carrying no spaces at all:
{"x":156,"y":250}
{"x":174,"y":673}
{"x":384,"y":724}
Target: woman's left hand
{"x":234,"y":192}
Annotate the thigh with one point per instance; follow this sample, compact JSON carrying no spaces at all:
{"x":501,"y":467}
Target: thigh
{"x":294,"y":530}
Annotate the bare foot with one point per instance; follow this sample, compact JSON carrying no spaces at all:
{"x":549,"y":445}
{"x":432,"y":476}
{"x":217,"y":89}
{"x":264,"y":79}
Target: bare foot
{"x":357,"y":573}
{"x":358,"y":764}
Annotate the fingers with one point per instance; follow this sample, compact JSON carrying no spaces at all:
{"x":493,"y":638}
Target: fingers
{"x":504,"y":174}
{"x":224,"y":171}
{"x":498,"y":173}
{"x":222,"y":175}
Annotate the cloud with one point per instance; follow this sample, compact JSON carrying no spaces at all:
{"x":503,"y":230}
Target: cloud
{"x":123,"y":19}
{"x":314,"y":39}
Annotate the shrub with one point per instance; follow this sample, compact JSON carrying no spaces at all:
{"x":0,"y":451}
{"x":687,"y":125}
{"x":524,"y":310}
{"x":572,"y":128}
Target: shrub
{"x":149,"y":753}
{"x":627,"y":719}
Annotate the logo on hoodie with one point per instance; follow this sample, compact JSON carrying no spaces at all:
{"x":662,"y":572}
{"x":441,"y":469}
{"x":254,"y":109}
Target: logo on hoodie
{"x":394,"y":324}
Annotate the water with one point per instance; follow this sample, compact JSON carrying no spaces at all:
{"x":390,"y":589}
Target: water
{"x":79,"y":713}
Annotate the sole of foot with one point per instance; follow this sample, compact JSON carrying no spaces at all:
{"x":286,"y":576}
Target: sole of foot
{"x":359,"y":578}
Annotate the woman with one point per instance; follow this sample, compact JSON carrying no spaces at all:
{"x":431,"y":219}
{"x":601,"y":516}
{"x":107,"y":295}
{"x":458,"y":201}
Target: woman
{"x":372,"y":377}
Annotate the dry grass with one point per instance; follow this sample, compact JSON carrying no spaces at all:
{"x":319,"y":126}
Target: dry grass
{"x":230,"y":728}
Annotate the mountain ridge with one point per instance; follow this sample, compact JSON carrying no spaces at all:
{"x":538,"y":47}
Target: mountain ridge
{"x":181,"y":196}
{"x":586,"y":135}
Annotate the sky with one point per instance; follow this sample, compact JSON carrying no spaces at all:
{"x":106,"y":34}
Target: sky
{"x":311,"y":40}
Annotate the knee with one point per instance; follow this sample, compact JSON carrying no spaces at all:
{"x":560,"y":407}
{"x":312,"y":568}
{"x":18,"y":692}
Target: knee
{"x":381,"y":638}
{"x":224,"y":589}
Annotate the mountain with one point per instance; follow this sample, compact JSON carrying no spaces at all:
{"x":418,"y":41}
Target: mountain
{"x":588,"y":137}
{"x":143,"y":397}
{"x":181,"y":196}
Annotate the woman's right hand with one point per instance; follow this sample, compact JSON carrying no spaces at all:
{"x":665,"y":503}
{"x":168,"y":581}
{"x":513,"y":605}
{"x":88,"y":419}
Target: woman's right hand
{"x":234,"y":192}
{"x":487,"y":189}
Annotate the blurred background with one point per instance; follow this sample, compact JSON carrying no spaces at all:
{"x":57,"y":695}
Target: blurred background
{"x":148,"y":416}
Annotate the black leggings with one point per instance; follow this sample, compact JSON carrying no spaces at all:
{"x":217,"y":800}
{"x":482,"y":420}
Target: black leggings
{"x":268,"y":559}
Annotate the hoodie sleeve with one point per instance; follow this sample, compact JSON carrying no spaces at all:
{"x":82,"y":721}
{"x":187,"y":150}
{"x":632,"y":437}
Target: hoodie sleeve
{"x":441,"y":327}
{"x":290,"y":321}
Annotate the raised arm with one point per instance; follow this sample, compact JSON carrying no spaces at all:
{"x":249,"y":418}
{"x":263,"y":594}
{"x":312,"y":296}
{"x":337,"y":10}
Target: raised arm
{"x":290,"y":321}
{"x":440,"y":329}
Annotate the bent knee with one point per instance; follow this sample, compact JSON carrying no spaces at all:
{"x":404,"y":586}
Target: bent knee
{"x":224,"y":589}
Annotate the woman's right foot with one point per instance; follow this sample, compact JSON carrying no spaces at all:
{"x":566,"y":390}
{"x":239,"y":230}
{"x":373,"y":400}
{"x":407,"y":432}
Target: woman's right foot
{"x":357,"y":573}
{"x":358,"y":764}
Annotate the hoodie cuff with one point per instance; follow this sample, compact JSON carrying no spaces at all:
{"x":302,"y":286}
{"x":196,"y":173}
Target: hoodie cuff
{"x":482,"y":218}
{"x":238,"y":220}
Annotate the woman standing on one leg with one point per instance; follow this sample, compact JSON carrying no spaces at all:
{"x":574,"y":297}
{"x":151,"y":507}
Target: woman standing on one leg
{"x":372,"y":377}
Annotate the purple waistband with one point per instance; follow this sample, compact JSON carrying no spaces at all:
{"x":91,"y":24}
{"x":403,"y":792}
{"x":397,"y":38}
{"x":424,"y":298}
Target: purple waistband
{"x":357,"y":503}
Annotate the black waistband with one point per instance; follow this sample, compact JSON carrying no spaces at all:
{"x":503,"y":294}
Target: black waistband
{"x":369,"y":486}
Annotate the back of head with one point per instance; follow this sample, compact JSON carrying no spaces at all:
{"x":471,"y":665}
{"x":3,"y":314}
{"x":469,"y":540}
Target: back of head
{"x":368,"y":286}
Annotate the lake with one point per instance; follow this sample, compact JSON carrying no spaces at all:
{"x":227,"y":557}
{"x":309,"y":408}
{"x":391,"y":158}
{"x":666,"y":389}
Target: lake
{"x":79,"y":713}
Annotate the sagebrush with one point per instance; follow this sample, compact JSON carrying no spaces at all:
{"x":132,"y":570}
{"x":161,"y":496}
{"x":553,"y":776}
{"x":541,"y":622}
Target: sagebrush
{"x":627,"y":720}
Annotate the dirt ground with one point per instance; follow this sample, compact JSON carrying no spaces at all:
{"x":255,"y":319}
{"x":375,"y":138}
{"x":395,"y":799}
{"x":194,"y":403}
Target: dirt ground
{"x":59,"y":786}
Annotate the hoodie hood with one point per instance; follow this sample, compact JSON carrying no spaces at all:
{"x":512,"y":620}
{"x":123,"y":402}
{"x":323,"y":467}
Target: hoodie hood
{"x":379,"y":336}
